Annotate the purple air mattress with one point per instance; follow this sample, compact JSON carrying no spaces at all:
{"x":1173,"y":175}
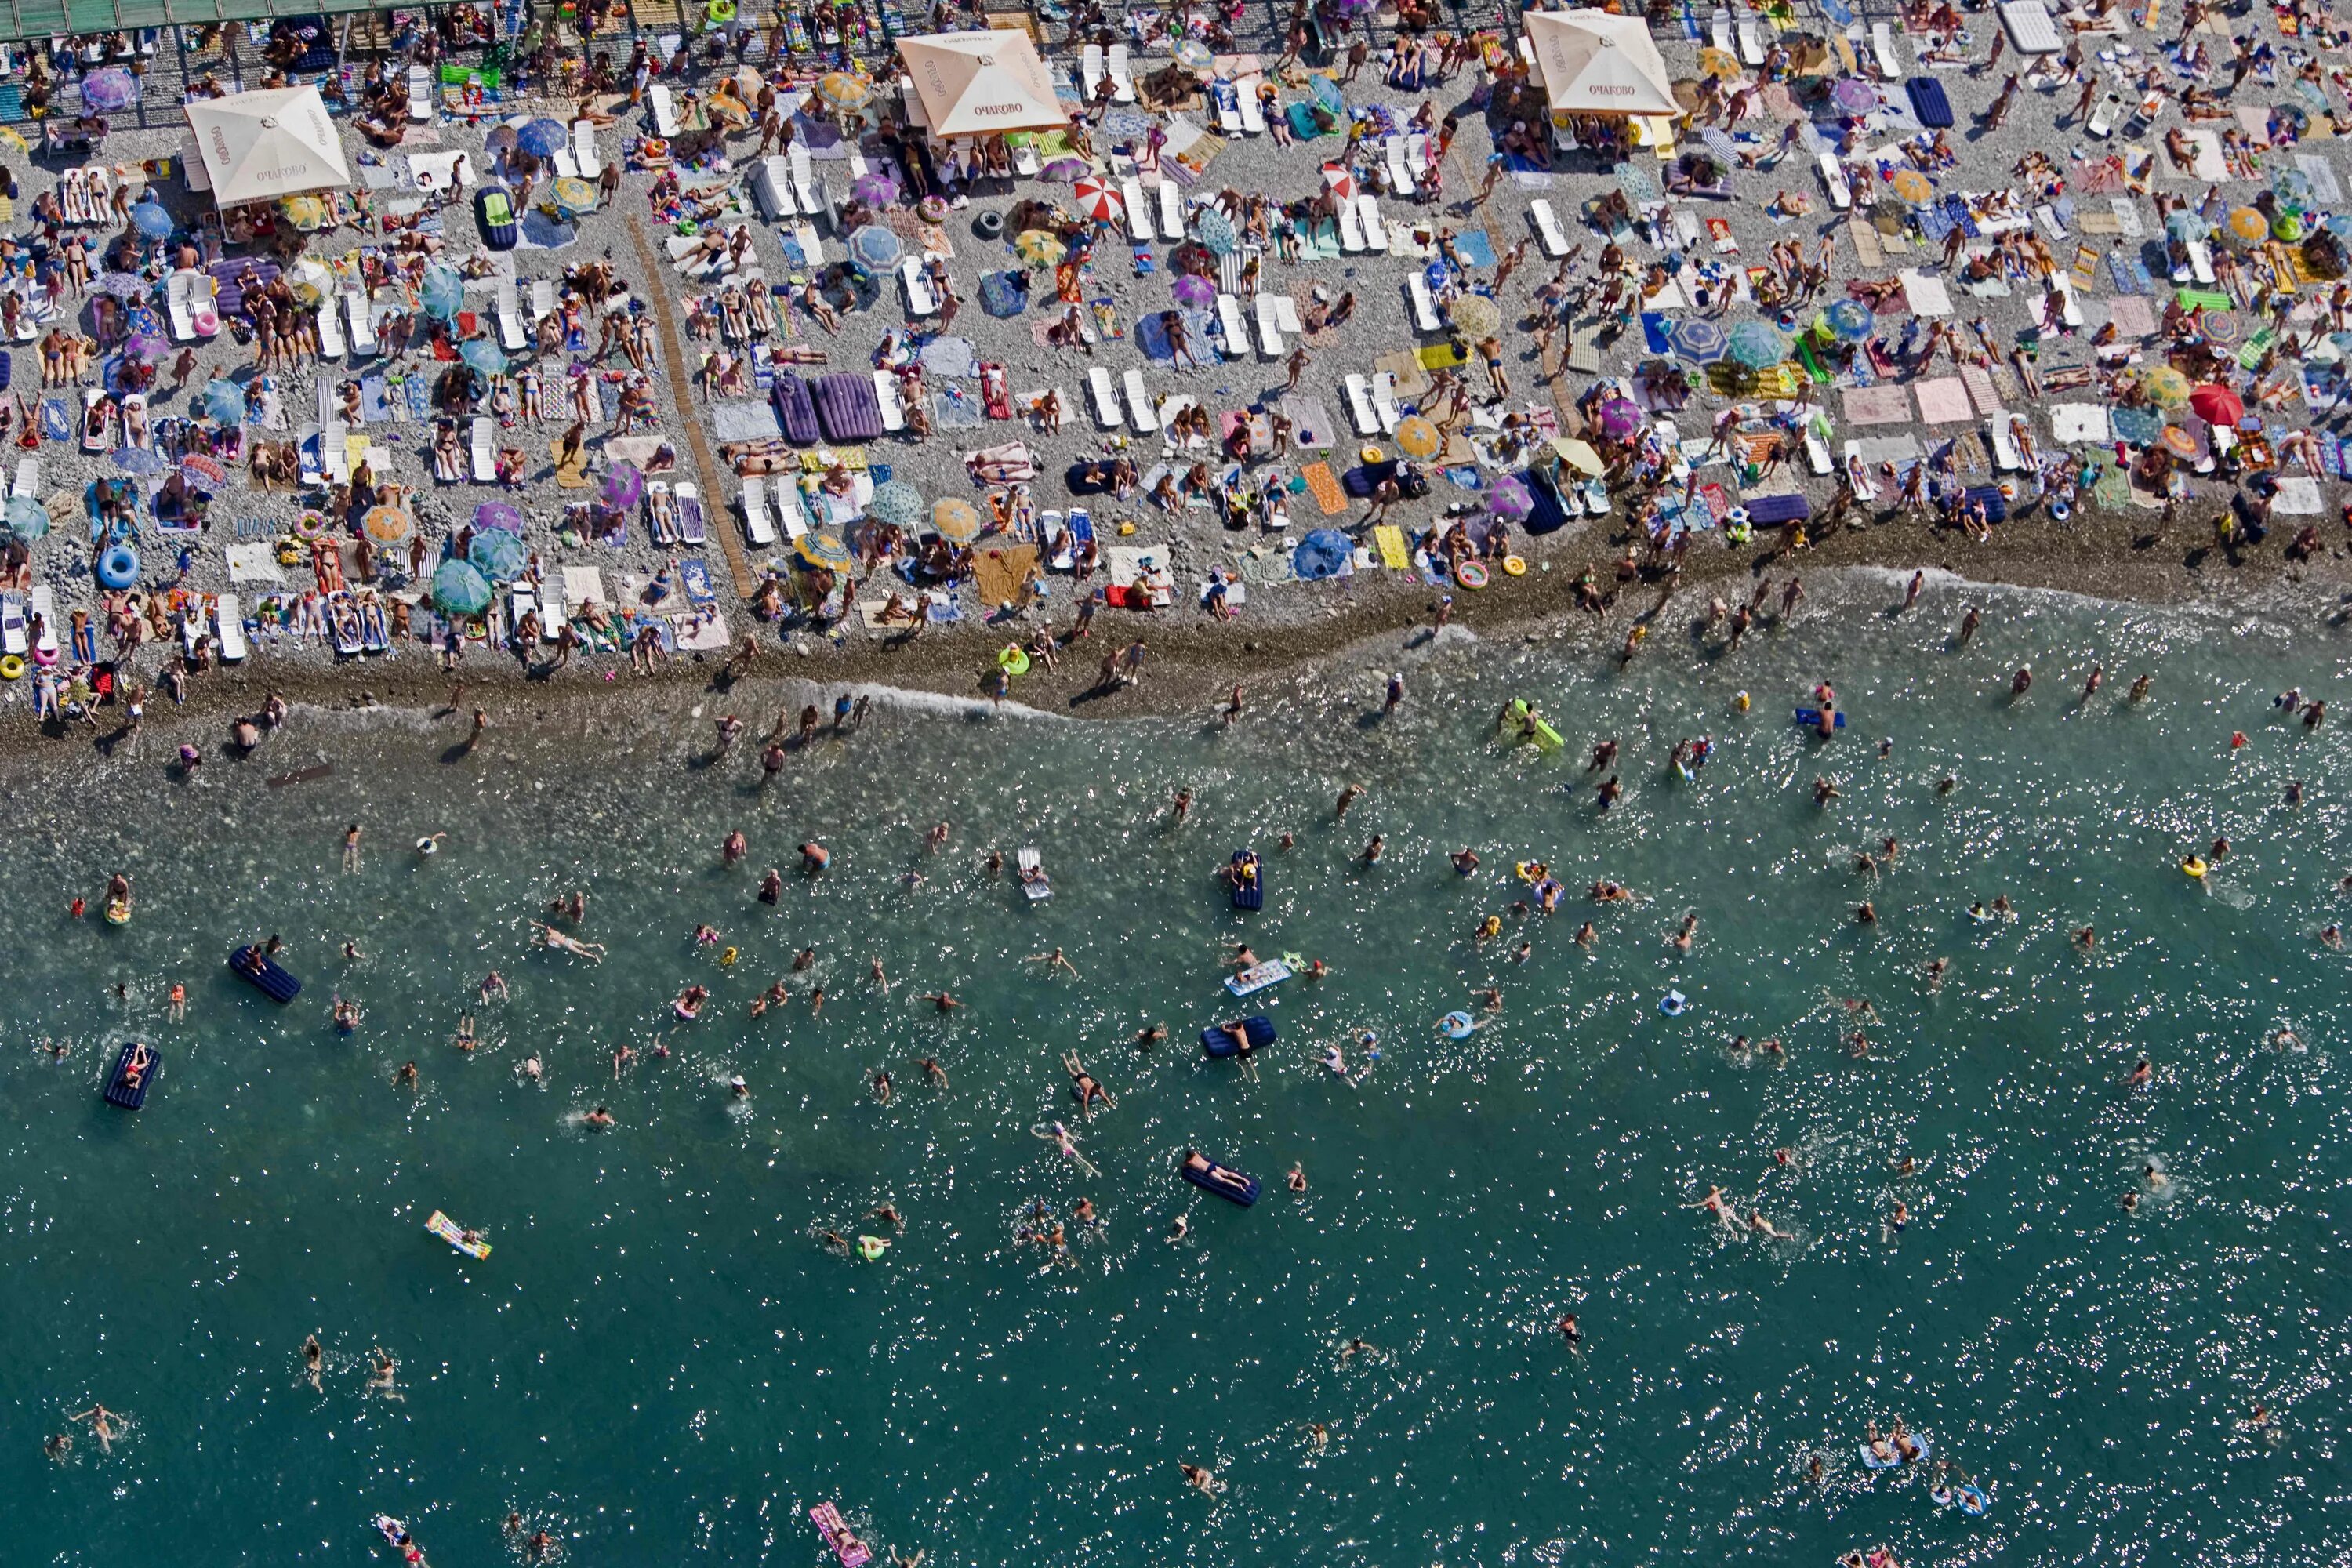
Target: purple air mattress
{"x":796,"y":410}
{"x":849,"y":408}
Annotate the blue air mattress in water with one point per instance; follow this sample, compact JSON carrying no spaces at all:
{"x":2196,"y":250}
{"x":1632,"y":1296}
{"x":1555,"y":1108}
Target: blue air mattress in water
{"x":1211,"y":1177}
{"x":121,"y":1087}
{"x":1248,"y":880}
{"x":1217,"y":1043}
{"x":1928,"y":102}
{"x":261,"y":971}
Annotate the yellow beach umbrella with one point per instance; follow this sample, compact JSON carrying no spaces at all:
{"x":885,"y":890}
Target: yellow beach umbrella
{"x":387,"y":524}
{"x":1475,"y":316}
{"x":1911,"y":185}
{"x":1038,"y":247}
{"x":1721,"y":64}
{"x":1579,"y":455}
{"x":958,"y":521}
{"x":1417,"y":438}
{"x":305,"y":213}
{"x":843,"y":90}
{"x":2166,"y":388}
{"x":2249,"y":224}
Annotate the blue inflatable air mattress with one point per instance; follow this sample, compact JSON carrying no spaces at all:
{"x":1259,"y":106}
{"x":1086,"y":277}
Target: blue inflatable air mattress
{"x":1211,"y":1177}
{"x":1928,"y":102}
{"x":796,"y":410}
{"x":123,"y":1089}
{"x":1258,"y":1031}
{"x":1248,"y":891}
{"x":847,"y":406}
{"x":258,"y":969}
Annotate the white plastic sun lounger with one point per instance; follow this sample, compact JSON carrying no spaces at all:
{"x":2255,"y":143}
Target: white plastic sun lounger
{"x":1360,"y":406}
{"x":1376,"y":233}
{"x":228,"y":624}
{"x":1252,"y":111}
{"x":1882,"y":50}
{"x":1171,"y":210}
{"x":28,"y":481}
{"x":42,"y":602}
{"x":1751,"y":44}
{"x":420,"y":94}
{"x":1229,"y":317}
{"x":664,"y":108}
{"x":1817,"y":450}
{"x":920,"y":298}
{"x":513,"y":334}
{"x":1104,"y":391}
{"x":2030,"y":27}
{"x":1139,"y":215}
{"x":1424,"y":303}
{"x":1090,"y":70}
{"x":1269,"y":328}
{"x":885,"y":393}
{"x":584,"y":149}
{"x":1351,"y":229}
{"x":1384,"y":403}
{"x":771,"y":187}
{"x":1229,"y":109}
{"x":757,"y":528}
{"x":362,"y":322}
{"x":566,"y":166}
{"x":805,"y":189}
{"x":1549,"y":233}
{"x":1718,"y":30}
{"x":1833,"y":177}
{"x":330,"y":335}
{"x":1400,"y":181}
{"x":179,"y":307}
{"x":1139,"y":403}
{"x":2005,"y":456}
{"x":1122,"y":79}
{"x":12,"y":625}
{"x":485,"y":450}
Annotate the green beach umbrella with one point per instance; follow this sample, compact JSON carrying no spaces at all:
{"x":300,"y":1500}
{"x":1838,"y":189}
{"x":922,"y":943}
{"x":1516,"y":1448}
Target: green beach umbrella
{"x":460,"y":589}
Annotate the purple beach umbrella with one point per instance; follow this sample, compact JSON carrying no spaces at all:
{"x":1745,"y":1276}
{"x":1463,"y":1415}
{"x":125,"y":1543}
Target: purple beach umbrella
{"x":623,"y":487}
{"x":1620,"y":417}
{"x":1510,"y":498}
{"x":875,"y":189}
{"x":498,"y":515}
{"x":1192,"y":288}
{"x":108,"y":91}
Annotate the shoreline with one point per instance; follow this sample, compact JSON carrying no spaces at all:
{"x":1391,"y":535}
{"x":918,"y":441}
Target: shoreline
{"x":1190,"y":663}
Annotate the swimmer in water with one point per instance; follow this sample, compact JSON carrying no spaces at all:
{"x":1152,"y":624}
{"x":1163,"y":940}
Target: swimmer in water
{"x":1203,"y":1480}
{"x":101,"y":1426}
{"x":405,"y":1078}
{"x":733,"y":847}
{"x":1052,"y":961}
{"x":934,"y":1074}
{"x":940,"y":1000}
{"x":1586,"y":936}
{"x":2154,"y":1177}
{"x":1297,"y":1178}
{"x":1713,"y":1204}
{"x":1569,"y":1332}
{"x":600,"y":1117}
{"x":2139,"y":688}
{"x":623,"y":1054}
{"x":1180,"y":807}
{"x":314,"y":1356}
{"x":2331,"y":936}
{"x":1150,"y":1035}
{"x":562,"y":942}
{"x":1762,"y":1226}
{"x":381,"y":1381}
{"x":1681,"y":941}
{"x":1348,"y":797}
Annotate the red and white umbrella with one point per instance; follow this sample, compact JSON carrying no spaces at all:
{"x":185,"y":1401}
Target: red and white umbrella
{"x":1342,"y":179}
{"x":1097,"y":200}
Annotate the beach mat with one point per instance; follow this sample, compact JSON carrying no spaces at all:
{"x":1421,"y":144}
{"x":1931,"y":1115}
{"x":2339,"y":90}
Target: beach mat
{"x":1324,"y":486}
{"x":1878,"y":406}
{"x":1942,"y":401}
{"x":1310,"y":422}
{"x":744,"y":421}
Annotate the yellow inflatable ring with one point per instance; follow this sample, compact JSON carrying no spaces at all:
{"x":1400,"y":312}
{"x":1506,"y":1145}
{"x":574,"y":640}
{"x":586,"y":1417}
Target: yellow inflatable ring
{"x":1372,"y":454}
{"x":720,"y":12}
{"x":2194,"y":868}
{"x":1514,"y":566}
{"x":1013,"y":660}
{"x":11,"y":668}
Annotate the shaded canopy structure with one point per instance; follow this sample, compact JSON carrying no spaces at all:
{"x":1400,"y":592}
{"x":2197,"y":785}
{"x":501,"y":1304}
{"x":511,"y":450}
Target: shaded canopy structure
{"x":980,"y":83}
{"x":1596,"y":63}
{"x":259,"y":146}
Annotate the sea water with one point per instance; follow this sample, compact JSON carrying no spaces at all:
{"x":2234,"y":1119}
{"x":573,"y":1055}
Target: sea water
{"x":661,"y":1362}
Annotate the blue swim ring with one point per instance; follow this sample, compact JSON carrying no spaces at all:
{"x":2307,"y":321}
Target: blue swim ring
{"x":118,"y":567}
{"x":1671,"y":1003}
{"x":1456,"y":1025}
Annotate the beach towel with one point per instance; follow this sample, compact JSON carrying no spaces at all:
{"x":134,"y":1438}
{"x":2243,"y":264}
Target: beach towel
{"x":56,"y":425}
{"x":2324,"y":185}
{"x":2129,"y":276}
{"x":1926,"y":296}
{"x":1324,"y":486}
{"x":1310,"y":422}
{"x":949,"y":357}
{"x":694,"y":576}
{"x":1389,"y":541}
{"x":254,"y":563}
{"x":1442,"y":357}
{"x":2131,"y":316}
{"x":956,"y":409}
{"x":997,"y":573}
{"x":739,"y":420}
{"x":373,"y":407}
{"x":1475,"y":249}
{"x":1877,"y":449}
{"x":573,"y":475}
{"x":1980,"y":390}
{"x":1878,"y":406}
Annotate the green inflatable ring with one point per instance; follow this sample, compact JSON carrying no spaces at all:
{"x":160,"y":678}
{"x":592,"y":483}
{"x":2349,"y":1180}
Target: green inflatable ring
{"x":1013,"y":660}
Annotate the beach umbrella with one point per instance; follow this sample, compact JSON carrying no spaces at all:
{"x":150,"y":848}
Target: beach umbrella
{"x":501,"y":139}
{"x":1719,"y":143}
{"x":442,"y":290}
{"x":1216,"y":231}
{"x":498,"y":515}
{"x":1911,"y":185}
{"x":123,"y":285}
{"x":1475,"y":316}
{"x":150,"y":219}
{"x":625,"y":487}
{"x":1326,"y":92}
{"x":460,"y":589}
{"x":547,"y":231}
{"x":543,"y":137}
{"x":2181,"y":443}
{"x":1849,"y":321}
{"x":1340,"y":181}
{"x":1510,"y":498}
{"x":387,"y":524}
{"x":26,"y":518}
{"x":146,"y":346}
{"x":825,"y":550}
{"x":875,"y":188}
{"x":1720,"y":64}
{"x":203,"y":470}
{"x":841,"y":90}
{"x":1580,"y":455}
{"x":896,"y":501}
{"x":2248,"y":224}
{"x":308,"y":280}
{"x":1417,"y":438}
{"x":483,"y":355}
{"x":1351,"y":9}
{"x":1193,"y":291}
{"x":1757,"y":345}
{"x":108,"y":91}
{"x":1698,"y":341}
{"x":1066,"y":169}
{"x":876,"y":247}
{"x":1037,"y":247}
{"x":225,"y":401}
{"x":1098,"y":200}
{"x":141,"y":460}
{"x":500,"y":556}
{"x":305,"y":213}
{"x":1620,"y":417}
{"x":2217,"y":405}
{"x":956,"y":521}
{"x":2165,"y":388}
{"x":1855,"y":96}
{"x":2222,"y":328}
{"x":1321,"y":554}
{"x":1195,"y":55}
{"x":2292,"y":187}
{"x":2185,"y":224}
{"x":571,"y":196}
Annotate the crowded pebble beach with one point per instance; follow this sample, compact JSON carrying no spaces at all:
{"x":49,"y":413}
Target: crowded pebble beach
{"x":1701,"y":895}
